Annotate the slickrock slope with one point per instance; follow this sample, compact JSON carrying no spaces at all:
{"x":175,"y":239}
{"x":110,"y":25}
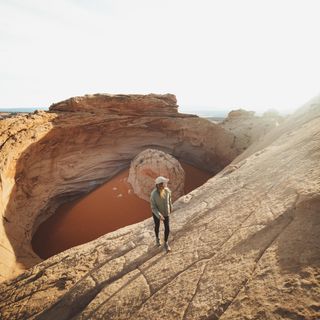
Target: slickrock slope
{"x":148,"y":165}
{"x":245,"y":246}
{"x":49,"y":158}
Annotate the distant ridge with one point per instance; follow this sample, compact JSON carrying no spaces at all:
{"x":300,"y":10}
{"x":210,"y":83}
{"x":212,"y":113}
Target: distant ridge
{"x":22,"y":109}
{"x":202,"y":112}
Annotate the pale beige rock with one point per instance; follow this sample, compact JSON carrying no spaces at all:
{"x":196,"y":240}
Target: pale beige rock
{"x":244,"y":246}
{"x":249,"y":128}
{"x":148,"y":165}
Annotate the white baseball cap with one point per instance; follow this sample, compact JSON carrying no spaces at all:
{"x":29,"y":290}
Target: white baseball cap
{"x":161,"y":180}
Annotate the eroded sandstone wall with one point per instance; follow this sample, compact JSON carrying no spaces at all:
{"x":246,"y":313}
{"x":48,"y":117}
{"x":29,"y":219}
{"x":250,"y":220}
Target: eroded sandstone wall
{"x":49,"y":158}
{"x":17,"y":134}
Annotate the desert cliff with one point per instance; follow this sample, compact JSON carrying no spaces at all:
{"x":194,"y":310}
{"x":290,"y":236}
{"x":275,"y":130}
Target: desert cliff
{"x":245,"y":244}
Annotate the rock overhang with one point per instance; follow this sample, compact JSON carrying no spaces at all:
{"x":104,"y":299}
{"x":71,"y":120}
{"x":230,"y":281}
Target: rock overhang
{"x":151,"y":104}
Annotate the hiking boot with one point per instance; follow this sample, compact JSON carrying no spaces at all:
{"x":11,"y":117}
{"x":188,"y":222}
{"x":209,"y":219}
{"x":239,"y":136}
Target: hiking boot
{"x":167,"y":247}
{"x":158,"y":244}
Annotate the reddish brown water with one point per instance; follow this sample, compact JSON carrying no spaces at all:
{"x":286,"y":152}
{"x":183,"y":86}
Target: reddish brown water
{"x":111,"y":206}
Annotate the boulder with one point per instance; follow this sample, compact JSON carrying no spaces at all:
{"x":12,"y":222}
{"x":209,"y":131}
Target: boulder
{"x":148,"y":165}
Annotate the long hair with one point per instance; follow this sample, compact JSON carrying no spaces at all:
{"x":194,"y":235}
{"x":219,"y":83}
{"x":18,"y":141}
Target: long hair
{"x":162,"y":193}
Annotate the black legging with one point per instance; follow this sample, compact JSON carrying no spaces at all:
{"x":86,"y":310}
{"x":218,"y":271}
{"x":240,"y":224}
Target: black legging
{"x":157,"y":226}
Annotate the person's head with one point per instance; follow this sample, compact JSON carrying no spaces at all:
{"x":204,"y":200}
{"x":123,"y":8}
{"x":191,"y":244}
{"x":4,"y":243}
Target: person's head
{"x":161,"y":182}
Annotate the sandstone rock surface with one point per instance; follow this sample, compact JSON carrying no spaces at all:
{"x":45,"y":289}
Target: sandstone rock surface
{"x":245,"y":246}
{"x":148,"y":165}
{"x":248,"y":128}
{"x":49,"y":158}
{"x":134,"y":104}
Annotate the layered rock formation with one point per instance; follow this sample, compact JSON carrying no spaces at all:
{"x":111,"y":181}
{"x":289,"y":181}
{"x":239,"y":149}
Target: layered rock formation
{"x":245,"y":246}
{"x":148,"y":165}
{"x":49,"y":158}
{"x":134,"y":104}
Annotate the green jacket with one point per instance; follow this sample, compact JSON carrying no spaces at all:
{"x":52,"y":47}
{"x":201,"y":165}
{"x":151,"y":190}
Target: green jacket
{"x":161,"y":205}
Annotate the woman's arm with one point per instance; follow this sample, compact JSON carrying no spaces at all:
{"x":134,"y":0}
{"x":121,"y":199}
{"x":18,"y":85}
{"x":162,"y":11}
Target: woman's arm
{"x":154,"y":208}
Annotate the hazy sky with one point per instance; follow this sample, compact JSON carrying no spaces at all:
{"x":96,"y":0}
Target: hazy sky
{"x":218,"y":54}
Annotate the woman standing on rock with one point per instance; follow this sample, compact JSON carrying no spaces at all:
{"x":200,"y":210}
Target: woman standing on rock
{"x":161,"y":206}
